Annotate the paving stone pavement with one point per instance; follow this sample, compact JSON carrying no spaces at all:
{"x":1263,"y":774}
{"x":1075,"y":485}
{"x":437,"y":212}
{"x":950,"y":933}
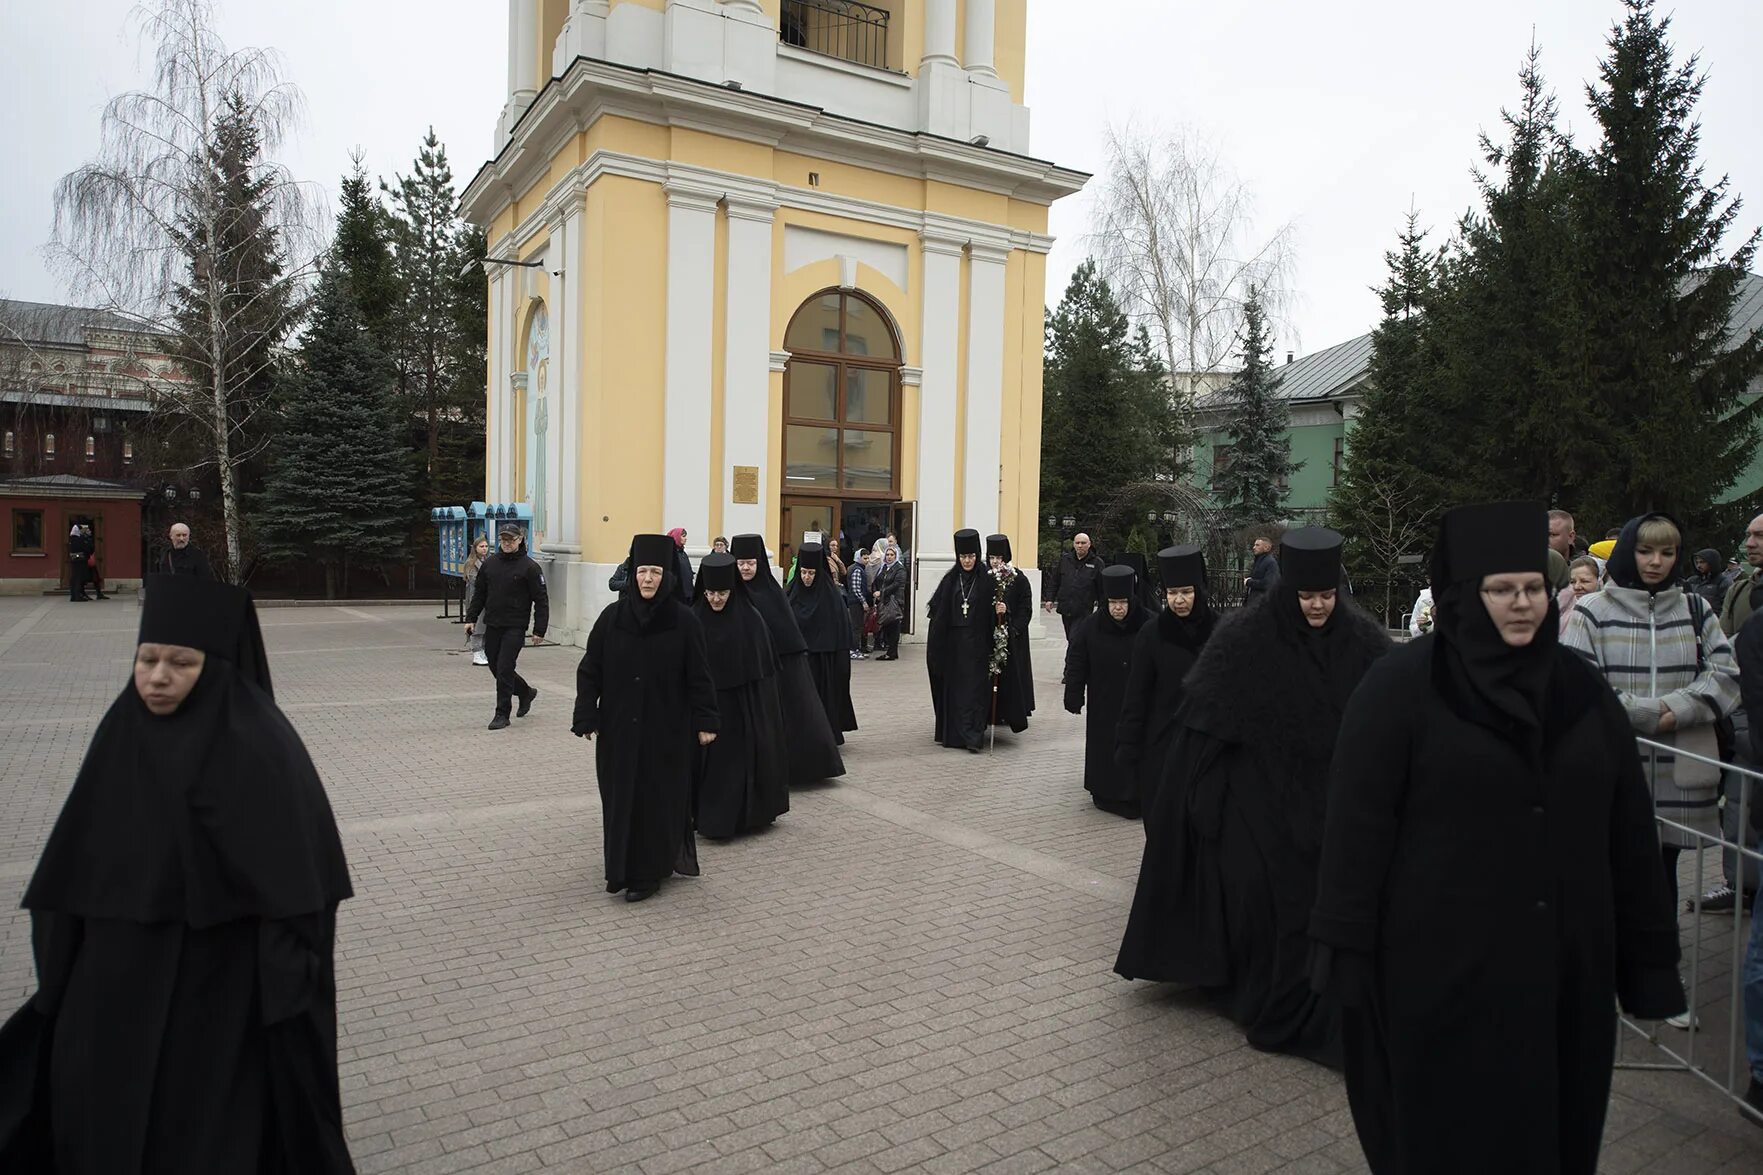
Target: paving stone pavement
{"x":910,"y":971}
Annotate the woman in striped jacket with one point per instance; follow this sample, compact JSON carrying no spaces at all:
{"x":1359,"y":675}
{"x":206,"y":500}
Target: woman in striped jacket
{"x":1662,"y":651}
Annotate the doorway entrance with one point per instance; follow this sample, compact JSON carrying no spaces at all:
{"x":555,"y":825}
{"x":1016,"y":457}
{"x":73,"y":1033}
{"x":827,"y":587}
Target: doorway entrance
{"x":856,"y":524}
{"x":70,"y":519}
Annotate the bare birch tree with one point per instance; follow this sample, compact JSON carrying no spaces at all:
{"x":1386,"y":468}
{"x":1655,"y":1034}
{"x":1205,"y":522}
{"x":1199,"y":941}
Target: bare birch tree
{"x":1174,"y":234}
{"x":185,"y":225}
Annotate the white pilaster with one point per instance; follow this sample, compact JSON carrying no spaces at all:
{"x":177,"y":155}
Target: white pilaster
{"x":939,"y":32}
{"x":746,"y":375}
{"x":985,"y":387}
{"x":691,"y":303}
{"x":496,"y":364}
{"x":936,"y":400}
{"x":982,"y":21}
{"x":583,"y":35}
{"x":942,"y":84}
{"x":526,"y":62}
{"x":563,"y":467}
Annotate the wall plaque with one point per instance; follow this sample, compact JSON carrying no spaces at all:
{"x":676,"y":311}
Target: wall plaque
{"x":746,"y":482}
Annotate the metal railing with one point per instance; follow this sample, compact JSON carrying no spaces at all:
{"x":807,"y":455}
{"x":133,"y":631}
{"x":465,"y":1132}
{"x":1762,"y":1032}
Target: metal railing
{"x":838,"y":28}
{"x":1715,"y":957}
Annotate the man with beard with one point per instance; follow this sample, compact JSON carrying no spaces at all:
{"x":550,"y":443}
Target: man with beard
{"x":745,"y":781}
{"x":183,"y":559}
{"x":958,"y":648}
{"x":644,"y":687}
{"x":183,"y":918}
{"x":813,"y":753}
{"x":1490,"y":884}
{"x":1097,"y":662}
{"x":825,"y":623}
{"x":1016,"y":685}
{"x":1162,"y":655}
{"x":1243,"y":798}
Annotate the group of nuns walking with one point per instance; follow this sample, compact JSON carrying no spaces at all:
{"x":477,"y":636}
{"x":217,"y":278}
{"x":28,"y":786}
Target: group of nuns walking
{"x":1434,"y":866}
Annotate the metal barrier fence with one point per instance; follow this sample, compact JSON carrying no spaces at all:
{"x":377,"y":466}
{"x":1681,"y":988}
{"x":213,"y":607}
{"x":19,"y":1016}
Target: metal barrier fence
{"x":1715,"y":956}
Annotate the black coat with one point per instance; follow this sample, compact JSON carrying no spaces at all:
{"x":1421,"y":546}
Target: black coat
{"x":813,"y":745}
{"x":1263,"y":576}
{"x":745,"y":780}
{"x":1075,"y":586}
{"x":646,"y":692}
{"x":1016,"y":685}
{"x":186,"y":561}
{"x":507,"y":590}
{"x":1153,"y":695}
{"x":958,"y":652}
{"x":1486,"y":906}
{"x":1097,"y":662}
{"x":1235,"y":835}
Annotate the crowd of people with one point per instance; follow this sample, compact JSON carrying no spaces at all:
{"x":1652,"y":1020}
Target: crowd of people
{"x":1440,"y":866}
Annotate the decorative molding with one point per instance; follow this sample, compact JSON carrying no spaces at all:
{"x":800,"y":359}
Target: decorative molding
{"x":691,"y":196}
{"x":911,"y":377}
{"x":869,"y":73}
{"x":742,"y":207}
{"x":517,"y":380}
{"x":943,"y":246}
{"x":989,"y":254}
{"x":780,"y":360}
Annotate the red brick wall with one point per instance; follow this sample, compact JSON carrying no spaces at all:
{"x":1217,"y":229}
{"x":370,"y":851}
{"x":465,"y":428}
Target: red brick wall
{"x":116,"y":523}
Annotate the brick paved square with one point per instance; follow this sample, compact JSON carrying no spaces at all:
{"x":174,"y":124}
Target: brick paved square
{"x":910,"y":971}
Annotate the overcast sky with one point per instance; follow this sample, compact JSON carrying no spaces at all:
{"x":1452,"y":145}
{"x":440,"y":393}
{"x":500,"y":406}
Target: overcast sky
{"x":1335,"y":115}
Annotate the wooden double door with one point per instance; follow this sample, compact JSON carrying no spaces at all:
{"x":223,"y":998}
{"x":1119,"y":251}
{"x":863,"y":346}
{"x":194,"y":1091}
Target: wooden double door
{"x":851,"y":521}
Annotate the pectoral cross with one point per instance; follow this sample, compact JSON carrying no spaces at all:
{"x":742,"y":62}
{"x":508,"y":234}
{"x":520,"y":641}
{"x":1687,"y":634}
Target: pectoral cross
{"x":963,"y":607}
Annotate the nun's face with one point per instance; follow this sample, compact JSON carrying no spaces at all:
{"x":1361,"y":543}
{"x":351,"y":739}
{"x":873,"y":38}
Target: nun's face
{"x":996,"y":561}
{"x":1181,"y":600}
{"x":747,"y":567}
{"x":806,"y":575}
{"x":165,"y":675}
{"x":1119,"y":608}
{"x":968,"y":561}
{"x":1517,"y":603}
{"x":717,"y":600}
{"x":648,"y":581}
{"x":1317,"y":607}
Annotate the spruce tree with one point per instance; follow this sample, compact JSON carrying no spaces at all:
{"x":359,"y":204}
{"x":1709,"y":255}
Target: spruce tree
{"x":1660,"y":291}
{"x":1104,"y":392}
{"x":1252,"y":489}
{"x":361,"y":255}
{"x":1392,"y":486}
{"x":459,"y":467}
{"x":338,"y":490}
{"x":426,"y":228}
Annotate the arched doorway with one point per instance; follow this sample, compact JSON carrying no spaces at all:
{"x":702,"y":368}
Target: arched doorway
{"x":841,"y":467}
{"x":532,"y":412}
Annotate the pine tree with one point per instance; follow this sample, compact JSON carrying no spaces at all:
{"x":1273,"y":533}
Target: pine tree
{"x":361,"y":255}
{"x":338,"y":490}
{"x":1253,"y":486}
{"x":1392,"y":485}
{"x":425,"y":215}
{"x":459,"y":466}
{"x":1660,"y":293}
{"x":1105,"y":391}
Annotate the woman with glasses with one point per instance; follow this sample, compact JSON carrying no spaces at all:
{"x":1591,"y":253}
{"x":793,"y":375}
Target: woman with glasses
{"x":1489,"y":886}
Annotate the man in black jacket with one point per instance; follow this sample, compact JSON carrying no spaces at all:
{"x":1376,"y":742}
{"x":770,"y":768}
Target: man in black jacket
{"x":78,"y":549}
{"x":183,"y":559}
{"x":1074,"y":586}
{"x":509,"y":586}
{"x":1264,"y":575}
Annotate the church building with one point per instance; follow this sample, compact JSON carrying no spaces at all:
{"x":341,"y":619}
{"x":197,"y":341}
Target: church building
{"x":764,"y":265}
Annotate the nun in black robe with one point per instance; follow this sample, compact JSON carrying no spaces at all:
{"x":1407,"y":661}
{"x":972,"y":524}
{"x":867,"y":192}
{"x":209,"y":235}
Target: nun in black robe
{"x":1016,"y":684}
{"x":1229,"y":873}
{"x":1162,"y":654}
{"x":812,"y":750}
{"x":958,"y":648}
{"x":1097,"y":661}
{"x":183,"y":918}
{"x":745,"y":780}
{"x":644,"y":687}
{"x":825,"y":623}
{"x":1490,"y":885}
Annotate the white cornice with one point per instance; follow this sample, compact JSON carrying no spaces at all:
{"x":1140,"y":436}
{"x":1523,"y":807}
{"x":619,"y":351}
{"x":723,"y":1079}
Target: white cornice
{"x":780,"y":360}
{"x":912,"y":377}
{"x":590,"y":89}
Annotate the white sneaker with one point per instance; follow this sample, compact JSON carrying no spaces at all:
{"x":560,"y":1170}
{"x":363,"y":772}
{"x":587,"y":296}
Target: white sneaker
{"x":1682,"y":1021}
{"x":478,"y":658}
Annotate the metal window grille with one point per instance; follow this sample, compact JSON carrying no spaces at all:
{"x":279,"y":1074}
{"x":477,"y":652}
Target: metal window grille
{"x":838,"y":28}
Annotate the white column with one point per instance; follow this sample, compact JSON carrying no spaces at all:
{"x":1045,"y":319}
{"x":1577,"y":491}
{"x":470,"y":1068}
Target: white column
{"x":936,"y":401}
{"x":746,"y":373}
{"x":527,"y":48}
{"x":691,"y":305}
{"x":939,"y":32}
{"x":515,"y":9}
{"x":985,"y":387}
{"x":496,"y":365}
{"x":981,"y":36}
{"x":736,"y":8}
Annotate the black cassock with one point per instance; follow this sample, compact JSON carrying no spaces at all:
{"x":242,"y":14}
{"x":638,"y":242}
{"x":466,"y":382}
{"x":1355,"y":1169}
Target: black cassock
{"x":812,"y":749}
{"x":745,"y":780}
{"x":1497,"y":901}
{"x":182,"y":918}
{"x":1097,"y":662}
{"x":825,"y":624}
{"x":644,"y":688}
{"x":1163,"y":652}
{"x":1235,"y":837}
{"x":958,"y":651}
{"x":1016,"y":684}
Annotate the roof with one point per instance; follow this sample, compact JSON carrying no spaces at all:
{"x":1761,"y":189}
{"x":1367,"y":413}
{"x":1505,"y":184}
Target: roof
{"x":1321,"y":375}
{"x":62,"y":326}
{"x":1747,"y":311}
{"x":68,"y":485}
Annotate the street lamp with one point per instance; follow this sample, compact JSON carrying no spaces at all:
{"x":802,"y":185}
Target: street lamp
{"x":1069,"y":521}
